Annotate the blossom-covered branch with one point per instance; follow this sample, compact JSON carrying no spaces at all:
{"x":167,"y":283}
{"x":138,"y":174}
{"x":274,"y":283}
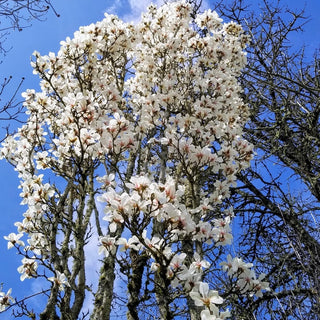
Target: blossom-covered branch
{"x":146,"y":121}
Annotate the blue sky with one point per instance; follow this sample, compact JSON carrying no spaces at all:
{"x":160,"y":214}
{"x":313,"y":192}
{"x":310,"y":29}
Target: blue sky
{"x":45,"y":37}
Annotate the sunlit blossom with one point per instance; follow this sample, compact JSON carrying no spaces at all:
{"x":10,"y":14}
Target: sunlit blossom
{"x":13,"y":239}
{"x":5,"y":300}
{"x":59,"y":280}
{"x":205,"y":296}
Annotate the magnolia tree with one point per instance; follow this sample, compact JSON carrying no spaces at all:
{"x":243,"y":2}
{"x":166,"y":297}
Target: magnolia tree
{"x":130,"y":149}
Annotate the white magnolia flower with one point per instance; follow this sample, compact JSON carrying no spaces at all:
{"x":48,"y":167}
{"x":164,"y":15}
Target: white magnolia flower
{"x":107,"y":245}
{"x":177,"y":262}
{"x":198,"y":264}
{"x":206,"y":297}
{"x":234,"y":265}
{"x":132,"y":243}
{"x":14,"y":239}
{"x":60,"y":280}
{"x":259,"y":285}
{"x":5,"y":299}
{"x":28,"y":269}
{"x":214,"y":315}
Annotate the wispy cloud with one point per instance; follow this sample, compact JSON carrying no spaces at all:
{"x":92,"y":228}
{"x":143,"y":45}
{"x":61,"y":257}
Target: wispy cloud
{"x":138,"y":7}
{"x":130,"y":10}
{"x":115,"y":7}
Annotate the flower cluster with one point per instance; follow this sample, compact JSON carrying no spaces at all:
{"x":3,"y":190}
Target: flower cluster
{"x":146,"y":200}
{"x":246,"y":281}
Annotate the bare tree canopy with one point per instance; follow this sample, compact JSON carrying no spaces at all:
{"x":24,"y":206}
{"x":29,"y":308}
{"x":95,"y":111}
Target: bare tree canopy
{"x":278,"y":201}
{"x":15,"y":15}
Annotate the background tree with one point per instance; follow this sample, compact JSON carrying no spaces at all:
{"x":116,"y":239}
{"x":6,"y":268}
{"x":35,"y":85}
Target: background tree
{"x":18,"y":14}
{"x":11,"y":109}
{"x":278,"y":200}
{"x":15,"y":16}
{"x":146,"y":119}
